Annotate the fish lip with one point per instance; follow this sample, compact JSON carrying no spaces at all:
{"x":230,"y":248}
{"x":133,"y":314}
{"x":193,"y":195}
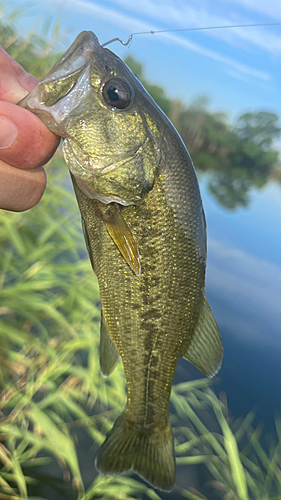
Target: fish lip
{"x":79,"y":55}
{"x":77,"y":59}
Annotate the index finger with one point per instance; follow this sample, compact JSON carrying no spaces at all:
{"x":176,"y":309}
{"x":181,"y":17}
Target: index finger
{"x":34,"y":144}
{"x":15,"y":82}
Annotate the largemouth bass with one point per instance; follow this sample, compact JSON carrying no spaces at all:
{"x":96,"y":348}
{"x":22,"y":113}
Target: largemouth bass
{"x":145,"y":231}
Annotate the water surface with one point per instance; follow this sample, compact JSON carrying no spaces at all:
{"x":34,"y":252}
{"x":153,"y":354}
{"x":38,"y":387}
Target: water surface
{"x":244,"y":289}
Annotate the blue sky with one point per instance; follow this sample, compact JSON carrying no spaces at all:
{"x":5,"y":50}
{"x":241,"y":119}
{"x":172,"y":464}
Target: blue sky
{"x":238,"y":69}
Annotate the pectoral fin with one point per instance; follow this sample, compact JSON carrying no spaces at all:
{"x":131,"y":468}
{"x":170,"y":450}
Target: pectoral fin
{"x":109,"y":357}
{"x":122,"y":237}
{"x":206,"y":350}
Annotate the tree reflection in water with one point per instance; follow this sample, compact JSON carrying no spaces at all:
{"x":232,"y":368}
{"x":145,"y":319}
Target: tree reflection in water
{"x":238,"y":156}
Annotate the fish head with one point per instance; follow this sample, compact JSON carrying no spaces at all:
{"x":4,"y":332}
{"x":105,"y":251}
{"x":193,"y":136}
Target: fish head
{"x":96,"y":103}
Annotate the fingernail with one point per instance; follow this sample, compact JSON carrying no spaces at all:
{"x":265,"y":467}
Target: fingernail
{"x":8,"y":132}
{"x":28,"y":81}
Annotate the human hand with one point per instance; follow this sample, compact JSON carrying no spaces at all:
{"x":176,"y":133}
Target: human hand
{"x":25,"y":143}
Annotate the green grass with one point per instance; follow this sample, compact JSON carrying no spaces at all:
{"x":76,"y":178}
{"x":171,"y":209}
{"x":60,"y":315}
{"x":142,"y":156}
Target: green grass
{"x":241,"y":469}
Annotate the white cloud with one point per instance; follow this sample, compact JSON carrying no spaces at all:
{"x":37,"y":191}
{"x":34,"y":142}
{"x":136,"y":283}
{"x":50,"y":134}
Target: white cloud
{"x":271,"y":8}
{"x":243,"y":68}
{"x":252,"y":286}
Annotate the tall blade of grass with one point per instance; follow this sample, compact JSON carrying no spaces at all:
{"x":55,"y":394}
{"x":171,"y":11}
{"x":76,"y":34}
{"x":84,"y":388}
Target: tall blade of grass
{"x":192,"y":460}
{"x":19,"y":477}
{"x":192,"y":494}
{"x":231,"y":447}
{"x":244,"y":426}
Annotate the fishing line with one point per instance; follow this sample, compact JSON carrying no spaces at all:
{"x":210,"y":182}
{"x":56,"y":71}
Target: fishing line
{"x":152,"y":32}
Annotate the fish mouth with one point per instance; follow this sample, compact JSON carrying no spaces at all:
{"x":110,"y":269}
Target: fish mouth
{"x":79,"y":54}
{"x":53,"y":116}
{"x":74,"y":66}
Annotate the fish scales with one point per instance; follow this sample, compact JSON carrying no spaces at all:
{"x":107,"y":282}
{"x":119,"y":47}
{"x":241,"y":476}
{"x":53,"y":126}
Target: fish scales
{"x":143,"y":309}
{"x":145,"y":231}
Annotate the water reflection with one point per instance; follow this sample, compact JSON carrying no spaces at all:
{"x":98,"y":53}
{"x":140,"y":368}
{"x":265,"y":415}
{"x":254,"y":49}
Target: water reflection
{"x":244,"y":289}
{"x":229,"y":192}
{"x":239,"y":156}
{"x":252,"y":284}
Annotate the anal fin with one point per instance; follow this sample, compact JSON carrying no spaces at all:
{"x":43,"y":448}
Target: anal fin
{"x":206,"y":350}
{"x":109,"y":357}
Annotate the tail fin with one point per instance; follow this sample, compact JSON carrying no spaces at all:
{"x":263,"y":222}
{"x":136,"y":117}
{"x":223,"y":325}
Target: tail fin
{"x":151,"y":454}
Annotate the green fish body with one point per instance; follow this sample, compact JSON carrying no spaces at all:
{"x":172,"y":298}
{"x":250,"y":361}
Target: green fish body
{"x":145,"y":231}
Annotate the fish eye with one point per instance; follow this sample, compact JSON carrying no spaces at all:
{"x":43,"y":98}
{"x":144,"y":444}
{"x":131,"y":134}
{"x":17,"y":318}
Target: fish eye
{"x":117,"y":93}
